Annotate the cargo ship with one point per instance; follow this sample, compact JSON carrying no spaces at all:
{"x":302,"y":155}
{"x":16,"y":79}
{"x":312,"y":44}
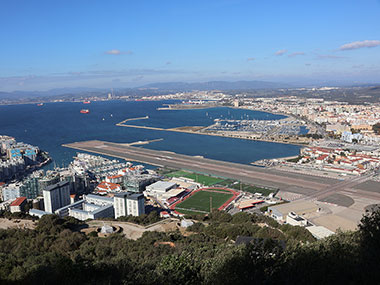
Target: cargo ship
{"x":85,"y":111}
{"x":86,"y":102}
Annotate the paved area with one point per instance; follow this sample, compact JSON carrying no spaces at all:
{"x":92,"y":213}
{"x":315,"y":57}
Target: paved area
{"x":338,"y":199}
{"x":335,"y":222}
{"x":133,"y":231}
{"x":369,"y":185}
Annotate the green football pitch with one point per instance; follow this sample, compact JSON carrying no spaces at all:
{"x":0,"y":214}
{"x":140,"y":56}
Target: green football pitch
{"x":203,"y":179}
{"x":200,"y":201}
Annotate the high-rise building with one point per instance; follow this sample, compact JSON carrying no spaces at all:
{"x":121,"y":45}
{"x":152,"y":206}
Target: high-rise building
{"x":56,"y":196}
{"x":129,"y":204}
{"x":47,"y":180}
{"x":120,"y":204}
{"x":135,"y":204}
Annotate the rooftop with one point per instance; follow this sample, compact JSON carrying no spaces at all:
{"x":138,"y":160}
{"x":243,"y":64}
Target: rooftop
{"x":18,"y":201}
{"x":108,"y":186}
{"x":57,"y":185}
{"x":92,"y":196}
{"x":121,"y":195}
{"x":162,"y":185}
{"x":136,"y":196}
{"x":38,"y":212}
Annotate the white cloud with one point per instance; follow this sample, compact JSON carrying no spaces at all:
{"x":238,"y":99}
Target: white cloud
{"x":358,"y":44}
{"x":358,"y":66}
{"x":296,"y":54}
{"x":329,"y":56}
{"x":117,"y":52}
{"x":281,"y":52}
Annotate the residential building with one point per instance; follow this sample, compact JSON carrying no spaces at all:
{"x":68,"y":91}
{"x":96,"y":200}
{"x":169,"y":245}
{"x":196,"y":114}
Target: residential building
{"x":135,"y":204}
{"x":129,"y":204}
{"x":56,"y":196}
{"x":120,"y":204}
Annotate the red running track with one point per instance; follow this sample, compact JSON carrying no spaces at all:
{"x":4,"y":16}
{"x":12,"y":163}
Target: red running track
{"x":234,"y":195}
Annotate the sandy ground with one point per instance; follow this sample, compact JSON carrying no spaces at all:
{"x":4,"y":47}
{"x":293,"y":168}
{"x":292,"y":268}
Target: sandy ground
{"x":336,"y":217}
{"x":134,"y":232}
{"x":13,"y":224}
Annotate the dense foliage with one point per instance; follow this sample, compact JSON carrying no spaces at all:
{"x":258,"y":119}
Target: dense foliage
{"x":54,"y":253}
{"x":376,"y":128}
{"x":16,"y":215}
{"x":145,"y":219}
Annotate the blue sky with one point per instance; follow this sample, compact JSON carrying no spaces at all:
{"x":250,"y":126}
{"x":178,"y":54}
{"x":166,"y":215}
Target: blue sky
{"x":54,"y":44}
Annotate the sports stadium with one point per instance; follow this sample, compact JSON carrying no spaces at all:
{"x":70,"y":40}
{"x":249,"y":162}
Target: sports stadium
{"x":203,"y":200}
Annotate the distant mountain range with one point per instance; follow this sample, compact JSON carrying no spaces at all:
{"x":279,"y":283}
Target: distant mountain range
{"x":166,"y":87}
{"x":52,"y":92}
{"x":217,"y":85}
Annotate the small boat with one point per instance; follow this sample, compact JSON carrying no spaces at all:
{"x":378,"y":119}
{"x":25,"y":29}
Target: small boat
{"x":85,"y":111}
{"x":40,"y":104}
{"x":86,"y":102}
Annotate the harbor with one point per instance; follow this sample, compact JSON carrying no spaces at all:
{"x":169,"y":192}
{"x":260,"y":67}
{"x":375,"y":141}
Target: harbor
{"x":213,"y":131}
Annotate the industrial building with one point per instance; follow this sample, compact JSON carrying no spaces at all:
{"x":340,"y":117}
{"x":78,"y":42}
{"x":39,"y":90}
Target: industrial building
{"x":18,"y":205}
{"x":279,"y":212}
{"x":160,"y":187}
{"x":90,"y":207}
{"x":138,"y":182}
{"x":37,"y":213}
{"x":295,"y":220}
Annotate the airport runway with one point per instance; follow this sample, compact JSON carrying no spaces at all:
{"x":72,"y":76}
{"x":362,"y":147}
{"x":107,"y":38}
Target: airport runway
{"x":245,"y":173}
{"x":313,"y":187}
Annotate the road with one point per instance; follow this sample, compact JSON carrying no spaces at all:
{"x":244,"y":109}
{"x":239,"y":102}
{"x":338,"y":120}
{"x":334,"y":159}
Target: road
{"x":329,"y":190}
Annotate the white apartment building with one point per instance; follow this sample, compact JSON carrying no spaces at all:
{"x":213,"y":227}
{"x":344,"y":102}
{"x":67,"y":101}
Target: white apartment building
{"x":56,"y":196}
{"x":129,"y":204}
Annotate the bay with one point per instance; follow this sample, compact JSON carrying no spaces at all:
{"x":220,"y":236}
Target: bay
{"x":53,"y":124}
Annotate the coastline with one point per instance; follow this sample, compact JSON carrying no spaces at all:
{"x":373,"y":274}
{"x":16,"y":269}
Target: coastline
{"x":120,"y":124}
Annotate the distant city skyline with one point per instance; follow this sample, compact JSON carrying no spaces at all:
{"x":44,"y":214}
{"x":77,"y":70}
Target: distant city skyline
{"x":115,"y":44}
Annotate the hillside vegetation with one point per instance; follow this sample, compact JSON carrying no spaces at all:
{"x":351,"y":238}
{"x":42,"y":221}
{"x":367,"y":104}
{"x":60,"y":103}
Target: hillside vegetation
{"x":54,"y":253}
